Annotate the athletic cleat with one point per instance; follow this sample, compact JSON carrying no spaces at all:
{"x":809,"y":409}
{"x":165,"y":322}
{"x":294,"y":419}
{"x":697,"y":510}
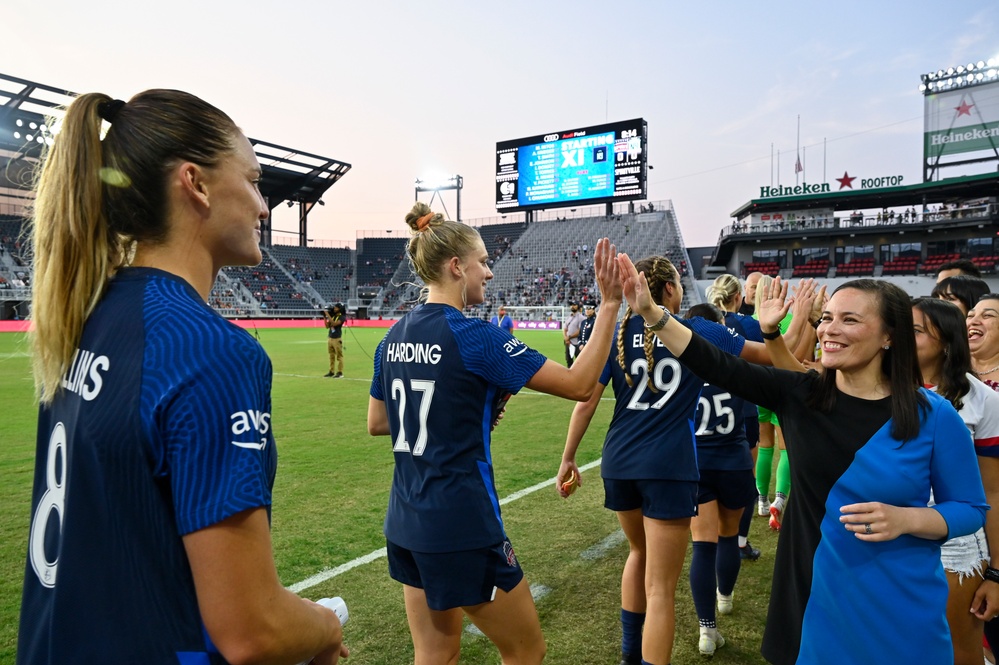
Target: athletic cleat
{"x":763,"y":506}
{"x":749,"y":553}
{"x":711,"y":640}
{"x":724,"y":603}
{"x":327,"y":375}
{"x":338,"y":375}
{"x":776,"y":515}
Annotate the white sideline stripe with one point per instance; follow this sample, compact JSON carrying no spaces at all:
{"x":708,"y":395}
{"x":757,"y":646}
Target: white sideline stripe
{"x":601,"y":549}
{"x":330,"y":573}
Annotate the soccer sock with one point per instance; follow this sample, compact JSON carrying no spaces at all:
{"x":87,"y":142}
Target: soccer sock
{"x":702,"y":579}
{"x":783,"y":474}
{"x":764,"y":469}
{"x":727,"y":564}
{"x":745,"y":521}
{"x":631,"y":634}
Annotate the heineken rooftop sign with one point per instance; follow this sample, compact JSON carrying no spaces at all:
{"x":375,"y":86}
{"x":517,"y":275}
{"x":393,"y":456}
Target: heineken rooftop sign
{"x":846,"y":182}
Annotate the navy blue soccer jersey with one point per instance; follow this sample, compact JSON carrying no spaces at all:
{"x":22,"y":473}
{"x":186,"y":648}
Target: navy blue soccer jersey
{"x":651,"y":435}
{"x":443,"y":378}
{"x":162,"y":428}
{"x":720,"y":431}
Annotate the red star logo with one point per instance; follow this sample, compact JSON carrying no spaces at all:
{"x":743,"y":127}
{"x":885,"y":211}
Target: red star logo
{"x":846,"y":180}
{"x":964,"y":109}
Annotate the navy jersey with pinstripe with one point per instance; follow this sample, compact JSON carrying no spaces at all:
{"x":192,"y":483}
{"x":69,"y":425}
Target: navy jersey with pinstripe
{"x":720,"y":430}
{"x":651,"y":435}
{"x":443,"y":378}
{"x":162,"y":428}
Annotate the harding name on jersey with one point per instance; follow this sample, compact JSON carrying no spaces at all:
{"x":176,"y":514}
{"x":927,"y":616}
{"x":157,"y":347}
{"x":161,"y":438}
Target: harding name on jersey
{"x":409,"y":352}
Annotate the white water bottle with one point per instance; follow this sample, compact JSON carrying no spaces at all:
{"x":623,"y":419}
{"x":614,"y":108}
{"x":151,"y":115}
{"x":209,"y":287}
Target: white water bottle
{"x":338,"y":606}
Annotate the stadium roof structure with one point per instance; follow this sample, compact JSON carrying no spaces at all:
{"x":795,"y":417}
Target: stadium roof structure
{"x":28,"y":111}
{"x":982,"y":185}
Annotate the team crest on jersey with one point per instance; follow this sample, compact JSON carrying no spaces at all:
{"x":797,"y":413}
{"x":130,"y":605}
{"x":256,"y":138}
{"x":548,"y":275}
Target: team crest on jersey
{"x":511,"y":558}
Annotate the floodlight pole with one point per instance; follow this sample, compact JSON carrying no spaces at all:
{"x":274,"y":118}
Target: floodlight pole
{"x":455,"y":182}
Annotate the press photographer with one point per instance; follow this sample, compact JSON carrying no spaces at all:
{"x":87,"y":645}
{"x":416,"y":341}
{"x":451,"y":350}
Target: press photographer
{"x":335,"y":316}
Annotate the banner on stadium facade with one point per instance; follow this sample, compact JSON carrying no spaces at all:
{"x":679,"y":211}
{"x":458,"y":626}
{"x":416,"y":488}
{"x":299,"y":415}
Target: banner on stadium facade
{"x":961,"y":120}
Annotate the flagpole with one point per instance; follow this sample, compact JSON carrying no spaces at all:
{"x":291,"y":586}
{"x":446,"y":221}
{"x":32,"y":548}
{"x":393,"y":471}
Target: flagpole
{"x":771,"y":164}
{"x":797,"y":152}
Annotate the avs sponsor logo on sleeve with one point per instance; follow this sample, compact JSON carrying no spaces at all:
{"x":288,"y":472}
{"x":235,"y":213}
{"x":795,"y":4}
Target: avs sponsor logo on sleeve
{"x":514,"y":347}
{"x":249,"y":429}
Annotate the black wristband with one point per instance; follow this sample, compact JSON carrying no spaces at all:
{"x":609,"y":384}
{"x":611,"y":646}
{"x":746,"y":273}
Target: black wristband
{"x":771,"y":335}
{"x":991,"y":574}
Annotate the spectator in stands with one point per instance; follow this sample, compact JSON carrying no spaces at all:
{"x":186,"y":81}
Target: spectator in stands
{"x":570,"y":334}
{"x":961,"y":290}
{"x":502,"y":320}
{"x":439,"y":377}
{"x":335,"y":316}
{"x":869,"y":440}
{"x":958,"y":267}
{"x":164,"y":440}
{"x":945,"y":364}
{"x":748,"y":306}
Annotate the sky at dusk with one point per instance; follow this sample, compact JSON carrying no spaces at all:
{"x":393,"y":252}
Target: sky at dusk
{"x":404,"y":90}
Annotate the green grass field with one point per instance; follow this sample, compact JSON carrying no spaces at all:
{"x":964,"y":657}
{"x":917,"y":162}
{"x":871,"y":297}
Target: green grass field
{"x":331,"y":492}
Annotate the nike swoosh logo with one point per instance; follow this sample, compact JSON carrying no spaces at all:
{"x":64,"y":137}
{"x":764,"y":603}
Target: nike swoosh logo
{"x":250,"y":445}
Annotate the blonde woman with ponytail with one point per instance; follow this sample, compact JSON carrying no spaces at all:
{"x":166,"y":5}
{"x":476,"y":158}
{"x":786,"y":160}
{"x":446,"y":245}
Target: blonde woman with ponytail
{"x":441,"y":382}
{"x":150,"y":537}
{"x":649,"y":465}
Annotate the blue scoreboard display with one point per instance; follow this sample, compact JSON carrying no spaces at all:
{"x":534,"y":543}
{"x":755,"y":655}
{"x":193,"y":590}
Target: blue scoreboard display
{"x":579,"y":166}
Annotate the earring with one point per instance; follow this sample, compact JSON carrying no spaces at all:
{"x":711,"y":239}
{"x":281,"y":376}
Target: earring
{"x":886,"y":347}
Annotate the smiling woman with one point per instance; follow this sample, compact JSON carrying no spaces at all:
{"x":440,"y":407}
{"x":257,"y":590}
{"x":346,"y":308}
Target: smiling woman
{"x":983,"y":339}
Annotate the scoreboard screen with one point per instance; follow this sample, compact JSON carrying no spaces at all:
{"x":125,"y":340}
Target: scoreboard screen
{"x":595,"y":164}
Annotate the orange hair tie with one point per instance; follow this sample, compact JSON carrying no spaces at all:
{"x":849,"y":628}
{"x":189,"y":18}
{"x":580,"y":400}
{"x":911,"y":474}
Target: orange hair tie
{"x":423,"y":222}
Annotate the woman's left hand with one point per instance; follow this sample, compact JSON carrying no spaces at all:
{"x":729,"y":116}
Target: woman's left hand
{"x":985,"y":604}
{"x":874,"y":522}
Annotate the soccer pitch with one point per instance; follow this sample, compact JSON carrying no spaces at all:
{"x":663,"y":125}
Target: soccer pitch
{"x":330,"y":496}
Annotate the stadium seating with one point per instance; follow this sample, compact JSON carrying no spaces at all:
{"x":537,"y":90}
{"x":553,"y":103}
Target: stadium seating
{"x":812,"y":268}
{"x":932,"y":263}
{"x":858,"y":267}
{"x":902,"y":265}
{"x":765,"y":267}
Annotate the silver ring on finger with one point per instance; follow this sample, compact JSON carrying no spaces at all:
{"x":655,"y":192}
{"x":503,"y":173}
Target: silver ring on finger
{"x":867,"y":529}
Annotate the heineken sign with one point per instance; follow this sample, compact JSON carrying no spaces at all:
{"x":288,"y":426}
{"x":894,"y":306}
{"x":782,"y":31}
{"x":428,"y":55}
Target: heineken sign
{"x":846,"y":182}
{"x":797,"y":190}
{"x":962,"y":120}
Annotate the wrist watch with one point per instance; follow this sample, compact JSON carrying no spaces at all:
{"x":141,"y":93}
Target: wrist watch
{"x":661,"y":323}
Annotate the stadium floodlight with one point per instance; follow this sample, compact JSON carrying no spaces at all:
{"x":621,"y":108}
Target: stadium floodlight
{"x":438,"y":184}
{"x":959,"y":76}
